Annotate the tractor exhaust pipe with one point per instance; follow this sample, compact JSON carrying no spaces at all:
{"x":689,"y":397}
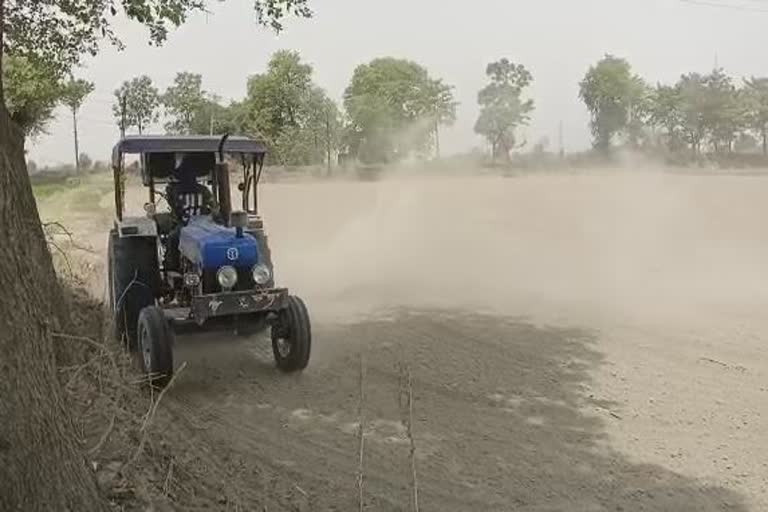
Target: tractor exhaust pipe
{"x":222,"y":181}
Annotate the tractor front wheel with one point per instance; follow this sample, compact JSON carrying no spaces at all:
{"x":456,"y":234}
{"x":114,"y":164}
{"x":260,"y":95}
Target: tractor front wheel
{"x":155,"y":340}
{"x":292,"y":337}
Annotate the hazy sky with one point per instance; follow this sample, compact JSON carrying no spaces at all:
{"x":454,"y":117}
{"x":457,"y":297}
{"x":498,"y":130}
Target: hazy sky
{"x":556,"y":39}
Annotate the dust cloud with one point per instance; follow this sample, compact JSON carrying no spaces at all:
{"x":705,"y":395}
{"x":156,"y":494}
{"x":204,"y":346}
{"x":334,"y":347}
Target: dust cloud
{"x":666,"y":271}
{"x":634,"y":245}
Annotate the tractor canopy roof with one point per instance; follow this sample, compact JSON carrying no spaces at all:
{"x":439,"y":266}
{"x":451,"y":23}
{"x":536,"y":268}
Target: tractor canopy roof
{"x":160,"y":154}
{"x":186,"y":144}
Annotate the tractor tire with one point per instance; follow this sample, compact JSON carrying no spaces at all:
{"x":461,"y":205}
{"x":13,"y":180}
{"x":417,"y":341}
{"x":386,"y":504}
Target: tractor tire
{"x":292,"y":337}
{"x":155,"y":341}
{"x":133,"y":281}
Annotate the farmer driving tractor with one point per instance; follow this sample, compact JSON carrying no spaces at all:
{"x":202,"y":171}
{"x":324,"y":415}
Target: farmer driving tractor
{"x":187,"y":198}
{"x":217,"y":273}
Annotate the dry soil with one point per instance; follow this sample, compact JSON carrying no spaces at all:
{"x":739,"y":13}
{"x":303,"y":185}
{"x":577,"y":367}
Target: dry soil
{"x":574,"y":343}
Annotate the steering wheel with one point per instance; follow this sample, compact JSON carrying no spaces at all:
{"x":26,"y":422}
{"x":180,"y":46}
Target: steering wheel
{"x":185,"y":212}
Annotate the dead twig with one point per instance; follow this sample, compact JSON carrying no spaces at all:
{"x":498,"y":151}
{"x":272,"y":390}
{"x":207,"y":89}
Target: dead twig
{"x":168,"y":480}
{"x":103,"y":349}
{"x":150,"y":416}
{"x":79,"y":368}
{"x":83,"y":339}
{"x":361,"y":433}
{"x":65,"y":232}
{"x":105,"y":435}
{"x":56,"y":224}
{"x":411,"y":439}
{"x":63,"y":255}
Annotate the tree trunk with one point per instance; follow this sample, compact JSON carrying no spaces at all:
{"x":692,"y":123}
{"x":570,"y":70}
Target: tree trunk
{"x":765,"y":141}
{"x":77,"y":143}
{"x":437,"y":140}
{"x":41,"y":467}
{"x":506,"y":149}
{"x":328,"y":142}
{"x":604,"y":142}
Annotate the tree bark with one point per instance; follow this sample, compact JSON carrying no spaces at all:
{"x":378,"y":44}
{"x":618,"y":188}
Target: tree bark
{"x":328,"y":142}
{"x":77,"y":143}
{"x":2,"y":49}
{"x":765,"y":141}
{"x":41,"y":467}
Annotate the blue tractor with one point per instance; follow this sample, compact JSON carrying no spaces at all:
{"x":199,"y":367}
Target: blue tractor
{"x":191,"y":261}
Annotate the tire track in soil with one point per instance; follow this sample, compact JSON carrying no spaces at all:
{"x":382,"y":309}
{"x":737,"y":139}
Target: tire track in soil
{"x":503,"y":420}
{"x":289,"y":428}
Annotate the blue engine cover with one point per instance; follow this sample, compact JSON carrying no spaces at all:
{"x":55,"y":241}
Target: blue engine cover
{"x":212,"y":245}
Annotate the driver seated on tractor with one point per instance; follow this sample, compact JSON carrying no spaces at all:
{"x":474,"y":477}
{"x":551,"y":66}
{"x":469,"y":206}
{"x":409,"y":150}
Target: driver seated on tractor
{"x":187,"y":199}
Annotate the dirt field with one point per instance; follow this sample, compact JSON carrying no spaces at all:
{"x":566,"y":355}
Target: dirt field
{"x":582,"y":344}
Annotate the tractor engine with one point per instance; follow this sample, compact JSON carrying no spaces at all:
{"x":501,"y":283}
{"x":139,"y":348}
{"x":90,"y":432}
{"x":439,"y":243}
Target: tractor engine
{"x":224,"y":259}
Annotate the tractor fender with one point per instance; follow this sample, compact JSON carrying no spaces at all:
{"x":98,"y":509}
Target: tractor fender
{"x":136,"y":227}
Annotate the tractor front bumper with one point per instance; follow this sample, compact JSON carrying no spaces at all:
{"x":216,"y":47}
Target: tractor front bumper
{"x":238,"y":303}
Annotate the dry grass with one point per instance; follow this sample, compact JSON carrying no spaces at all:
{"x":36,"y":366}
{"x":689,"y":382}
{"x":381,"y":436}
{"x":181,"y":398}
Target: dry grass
{"x":120,"y":421}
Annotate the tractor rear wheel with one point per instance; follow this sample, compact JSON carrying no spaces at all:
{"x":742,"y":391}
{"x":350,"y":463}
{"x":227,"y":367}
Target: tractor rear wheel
{"x":133,"y":280}
{"x":292,"y":337}
{"x":155,"y":341}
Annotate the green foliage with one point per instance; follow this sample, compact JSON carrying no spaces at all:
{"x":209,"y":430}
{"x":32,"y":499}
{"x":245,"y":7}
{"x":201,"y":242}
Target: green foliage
{"x":74,"y":92}
{"x":616,"y":99}
{"x":666,"y":112}
{"x":394,"y":108}
{"x":284,"y":107}
{"x":702,"y":108}
{"x":184,"y":100}
{"x":501,"y":108}
{"x":85,"y":162}
{"x":136,"y":103}
{"x":276,"y":98}
{"x":725,"y":112}
{"x":212,"y":117}
{"x":58,"y":33}
{"x":756,"y":99}
{"x":32,"y":92}
{"x":745,"y":143}
{"x":692,"y":89}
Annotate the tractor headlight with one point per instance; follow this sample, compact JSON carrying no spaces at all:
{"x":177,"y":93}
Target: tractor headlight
{"x":261,"y":274}
{"x":227,"y":277}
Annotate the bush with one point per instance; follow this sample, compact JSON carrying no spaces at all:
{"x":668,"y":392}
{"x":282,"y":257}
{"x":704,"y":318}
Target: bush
{"x":85,"y":162}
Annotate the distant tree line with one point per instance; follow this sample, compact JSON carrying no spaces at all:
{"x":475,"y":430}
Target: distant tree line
{"x":393,"y":109}
{"x":699,"y":113}
{"x":87,"y":165}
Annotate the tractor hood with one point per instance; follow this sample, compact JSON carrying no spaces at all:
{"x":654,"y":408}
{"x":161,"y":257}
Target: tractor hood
{"x":212,"y":245}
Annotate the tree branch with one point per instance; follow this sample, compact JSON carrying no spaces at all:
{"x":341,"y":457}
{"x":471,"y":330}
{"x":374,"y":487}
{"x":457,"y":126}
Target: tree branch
{"x":2,"y":49}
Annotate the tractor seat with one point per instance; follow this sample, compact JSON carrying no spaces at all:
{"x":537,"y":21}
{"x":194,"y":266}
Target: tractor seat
{"x":189,"y":201}
{"x":193,"y":204}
